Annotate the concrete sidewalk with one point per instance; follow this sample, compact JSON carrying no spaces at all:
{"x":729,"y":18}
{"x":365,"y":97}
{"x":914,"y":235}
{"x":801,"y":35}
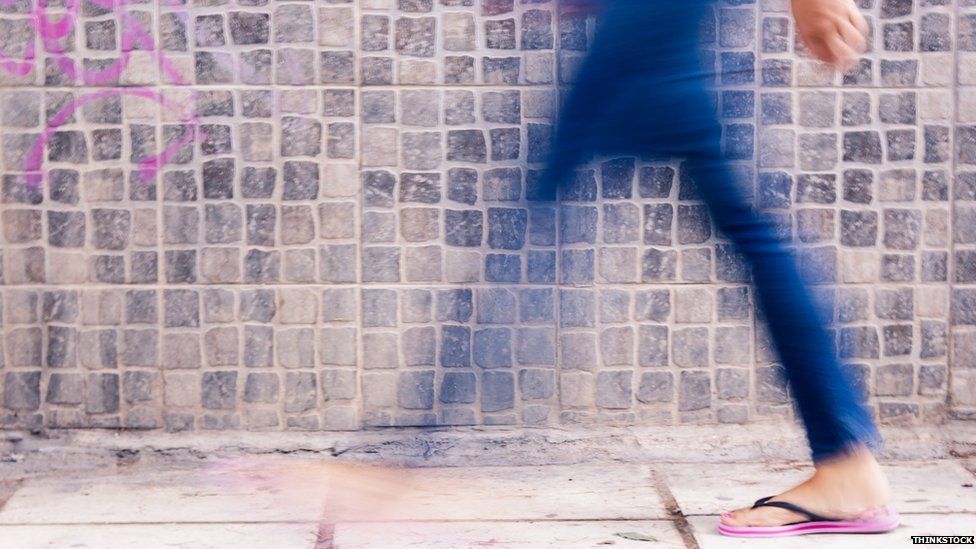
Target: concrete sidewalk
{"x":314,"y":501}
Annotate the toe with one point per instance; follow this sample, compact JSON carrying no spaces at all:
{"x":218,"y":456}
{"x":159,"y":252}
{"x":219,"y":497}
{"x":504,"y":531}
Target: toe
{"x":760,"y":517}
{"x":732,"y":518}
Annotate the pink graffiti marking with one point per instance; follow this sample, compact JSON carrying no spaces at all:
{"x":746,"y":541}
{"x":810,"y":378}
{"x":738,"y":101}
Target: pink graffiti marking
{"x":60,"y":29}
{"x":19,"y":67}
{"x":148,"y":167}
{"x":133,"y":33}
{"x":51,"y":31}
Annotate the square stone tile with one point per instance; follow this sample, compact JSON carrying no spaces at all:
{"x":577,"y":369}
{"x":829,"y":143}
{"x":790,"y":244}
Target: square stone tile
{"x":561,"y":535}
{"x":706,"y":533}
{"x":932,"y":487}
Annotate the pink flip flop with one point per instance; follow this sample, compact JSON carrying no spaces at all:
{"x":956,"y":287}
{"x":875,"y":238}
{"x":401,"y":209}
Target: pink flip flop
{"x":886,"y":521}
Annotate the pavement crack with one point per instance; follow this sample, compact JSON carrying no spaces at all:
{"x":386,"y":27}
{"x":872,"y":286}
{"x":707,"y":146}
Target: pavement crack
{"x":7,"y":489}
{"x":675,"y":514}
{"x":324,"y":537}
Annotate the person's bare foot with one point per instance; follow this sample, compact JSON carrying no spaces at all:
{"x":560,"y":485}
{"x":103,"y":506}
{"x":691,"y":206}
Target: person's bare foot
{"x":848,"y":488}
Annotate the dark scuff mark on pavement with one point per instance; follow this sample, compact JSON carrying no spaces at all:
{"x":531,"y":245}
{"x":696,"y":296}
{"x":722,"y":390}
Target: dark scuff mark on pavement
{"x":674,"y":511}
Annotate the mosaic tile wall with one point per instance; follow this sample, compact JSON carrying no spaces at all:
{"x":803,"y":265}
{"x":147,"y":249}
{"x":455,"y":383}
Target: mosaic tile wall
{"x":319,"y":215}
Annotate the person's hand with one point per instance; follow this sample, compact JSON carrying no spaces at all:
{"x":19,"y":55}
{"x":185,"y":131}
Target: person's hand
{"x":833,"y":30}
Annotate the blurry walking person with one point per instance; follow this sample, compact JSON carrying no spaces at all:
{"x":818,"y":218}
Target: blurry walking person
{"x":642,"y":90}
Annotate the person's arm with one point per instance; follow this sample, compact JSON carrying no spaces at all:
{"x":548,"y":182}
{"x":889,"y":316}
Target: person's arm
{"x":833,"y":30}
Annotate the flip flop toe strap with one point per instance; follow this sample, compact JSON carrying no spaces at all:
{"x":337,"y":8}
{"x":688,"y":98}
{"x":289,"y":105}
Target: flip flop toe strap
{"x":765,"y":502}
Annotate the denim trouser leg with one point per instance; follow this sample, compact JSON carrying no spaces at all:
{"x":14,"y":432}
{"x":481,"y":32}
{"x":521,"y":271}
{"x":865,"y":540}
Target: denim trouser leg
{"x":643,"y":91}
{"x":834,"y":418}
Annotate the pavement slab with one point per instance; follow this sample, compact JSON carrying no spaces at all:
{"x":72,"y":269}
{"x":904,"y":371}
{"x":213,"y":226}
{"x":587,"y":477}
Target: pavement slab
{"x":574,"y":492}
{"x":923,"y":487}
{"x":183,"y":496}
{"x":707,"y":536}
{"x":261,"y":503}
{"x":505,"y":535}
{"x":152,"y":536}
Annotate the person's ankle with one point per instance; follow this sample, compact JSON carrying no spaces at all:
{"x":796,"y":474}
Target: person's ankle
{"x":850,"y":456}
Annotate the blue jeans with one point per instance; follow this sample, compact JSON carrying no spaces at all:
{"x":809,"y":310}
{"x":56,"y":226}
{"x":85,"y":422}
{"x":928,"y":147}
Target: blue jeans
{"x":643,"y":90}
